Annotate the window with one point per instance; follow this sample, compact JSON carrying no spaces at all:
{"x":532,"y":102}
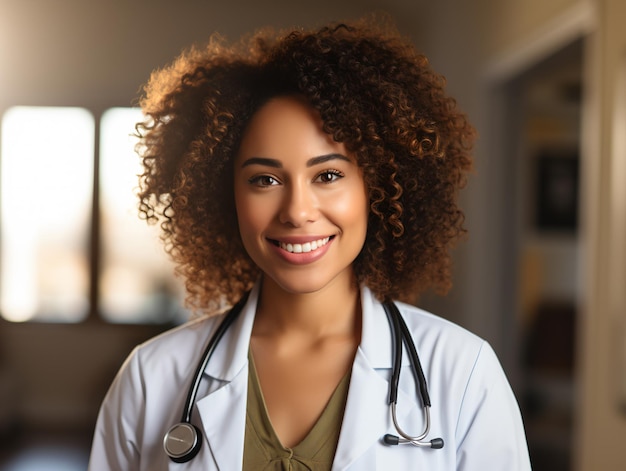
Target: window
{"x":46,"y":201}
{"x":46,"y":211}
{"x":136,"y":282}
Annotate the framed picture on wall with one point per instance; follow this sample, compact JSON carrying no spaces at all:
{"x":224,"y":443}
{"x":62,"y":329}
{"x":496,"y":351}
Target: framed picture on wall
{"x":557,"y":179}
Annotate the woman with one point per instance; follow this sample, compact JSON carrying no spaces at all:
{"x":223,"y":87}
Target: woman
{"x":318,"y":171}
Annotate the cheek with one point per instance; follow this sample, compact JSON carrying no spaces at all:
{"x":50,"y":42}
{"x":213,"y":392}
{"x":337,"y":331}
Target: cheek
{"x":352,"y":209}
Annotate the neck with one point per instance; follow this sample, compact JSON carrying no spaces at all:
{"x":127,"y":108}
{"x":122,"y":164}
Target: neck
{"x":335,"y":310}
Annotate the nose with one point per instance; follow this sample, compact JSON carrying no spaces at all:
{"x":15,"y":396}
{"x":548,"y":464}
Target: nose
{"x":300,"y":205}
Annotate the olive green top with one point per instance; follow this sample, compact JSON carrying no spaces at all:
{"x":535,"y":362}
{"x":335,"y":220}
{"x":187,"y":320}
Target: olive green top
{"x":262,"y":448}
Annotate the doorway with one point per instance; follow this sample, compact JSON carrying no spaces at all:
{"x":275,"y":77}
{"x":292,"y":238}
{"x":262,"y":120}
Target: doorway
{"x":541,"y":149}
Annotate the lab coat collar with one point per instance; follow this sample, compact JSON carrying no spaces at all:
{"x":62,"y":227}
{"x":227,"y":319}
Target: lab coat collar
{"x":231,"y":354}
{"x":376,"y":340}
{"x":223,"y":411}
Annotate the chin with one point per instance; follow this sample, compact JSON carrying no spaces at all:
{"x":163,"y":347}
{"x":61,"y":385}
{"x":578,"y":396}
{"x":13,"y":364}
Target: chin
{"x":299,"y":287}
{"x":305,"y":283}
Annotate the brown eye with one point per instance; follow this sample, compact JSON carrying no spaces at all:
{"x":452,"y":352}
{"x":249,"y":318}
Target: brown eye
{"x":329,"y":176}
{"x":263,"y":180}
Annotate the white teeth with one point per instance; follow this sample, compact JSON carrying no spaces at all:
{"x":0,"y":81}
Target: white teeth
{"x":306,"y":247}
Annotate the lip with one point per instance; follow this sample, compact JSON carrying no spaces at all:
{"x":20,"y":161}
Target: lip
{"x":302,"y":258}
{"x":298,"y":239}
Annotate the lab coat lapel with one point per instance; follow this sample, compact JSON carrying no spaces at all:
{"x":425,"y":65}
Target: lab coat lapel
{"x":362,"y":424}
{"x":223,"y":409}
{"x":223,"y":416}
{"x":367,"y":417}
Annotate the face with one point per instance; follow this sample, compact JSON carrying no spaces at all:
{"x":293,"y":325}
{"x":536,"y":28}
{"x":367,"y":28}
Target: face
{"x":301,"y":200}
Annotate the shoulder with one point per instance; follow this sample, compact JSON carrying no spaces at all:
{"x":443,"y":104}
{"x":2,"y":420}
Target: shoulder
{"x":439,"y":342}
{"x":156,"y":369}
{"x":457,"y":355}
{"x":433,"y":333}
{"x":176,"y":347}
{"x":153,"y":377}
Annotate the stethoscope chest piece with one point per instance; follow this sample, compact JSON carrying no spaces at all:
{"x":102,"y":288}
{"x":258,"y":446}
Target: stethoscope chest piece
{"x":182,"y":442}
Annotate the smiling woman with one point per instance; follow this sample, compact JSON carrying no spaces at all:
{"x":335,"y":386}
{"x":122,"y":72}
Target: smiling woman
{"x":309,"y":178}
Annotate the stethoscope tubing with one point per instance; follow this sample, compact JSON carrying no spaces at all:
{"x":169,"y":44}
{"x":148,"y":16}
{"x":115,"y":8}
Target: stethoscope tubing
{"x":402,"y":336}
{"x":397,"y":324}
{"x":182,"y":441}
{"x":206,"y":356}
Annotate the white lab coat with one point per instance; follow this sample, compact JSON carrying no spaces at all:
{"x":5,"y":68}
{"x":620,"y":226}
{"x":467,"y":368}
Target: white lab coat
{"x":473,"y":408}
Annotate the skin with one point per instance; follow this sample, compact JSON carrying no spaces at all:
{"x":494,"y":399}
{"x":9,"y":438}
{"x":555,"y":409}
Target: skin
{"x":295,"y":186}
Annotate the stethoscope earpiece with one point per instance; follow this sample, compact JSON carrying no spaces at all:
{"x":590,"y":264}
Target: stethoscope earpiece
{"x":182,"y":442}
{"x":435,"y":443}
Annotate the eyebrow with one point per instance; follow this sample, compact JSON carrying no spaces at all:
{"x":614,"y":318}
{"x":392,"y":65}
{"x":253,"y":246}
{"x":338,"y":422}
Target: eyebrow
{"x":278,"y":164}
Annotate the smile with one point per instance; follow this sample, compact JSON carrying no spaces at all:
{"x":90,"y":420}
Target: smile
{"x":304,"y":248}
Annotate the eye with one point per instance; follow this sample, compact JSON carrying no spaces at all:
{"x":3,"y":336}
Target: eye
{"x":329,"y":176}
{"x":263,"y":180}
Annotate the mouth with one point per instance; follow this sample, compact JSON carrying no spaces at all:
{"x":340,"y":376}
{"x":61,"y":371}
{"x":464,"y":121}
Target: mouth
{"x":304,"y":247}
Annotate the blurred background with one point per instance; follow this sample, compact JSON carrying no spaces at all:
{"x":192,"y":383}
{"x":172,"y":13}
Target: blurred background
{"x":542,"y":275}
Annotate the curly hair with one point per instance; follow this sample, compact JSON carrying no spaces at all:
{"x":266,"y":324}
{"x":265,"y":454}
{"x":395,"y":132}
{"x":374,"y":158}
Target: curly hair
{"x":373,"y":91}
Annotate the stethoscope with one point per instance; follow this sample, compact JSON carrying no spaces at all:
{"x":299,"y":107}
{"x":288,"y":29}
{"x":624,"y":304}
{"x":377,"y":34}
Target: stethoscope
{"x":183,"y":440}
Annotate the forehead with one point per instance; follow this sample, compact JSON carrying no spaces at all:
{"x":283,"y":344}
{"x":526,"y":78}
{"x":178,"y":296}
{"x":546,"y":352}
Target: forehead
{"x":286,"y":126}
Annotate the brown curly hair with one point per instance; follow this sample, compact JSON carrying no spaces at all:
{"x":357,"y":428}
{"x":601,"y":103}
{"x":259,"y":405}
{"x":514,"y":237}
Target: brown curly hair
{"x":374,"y":93}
